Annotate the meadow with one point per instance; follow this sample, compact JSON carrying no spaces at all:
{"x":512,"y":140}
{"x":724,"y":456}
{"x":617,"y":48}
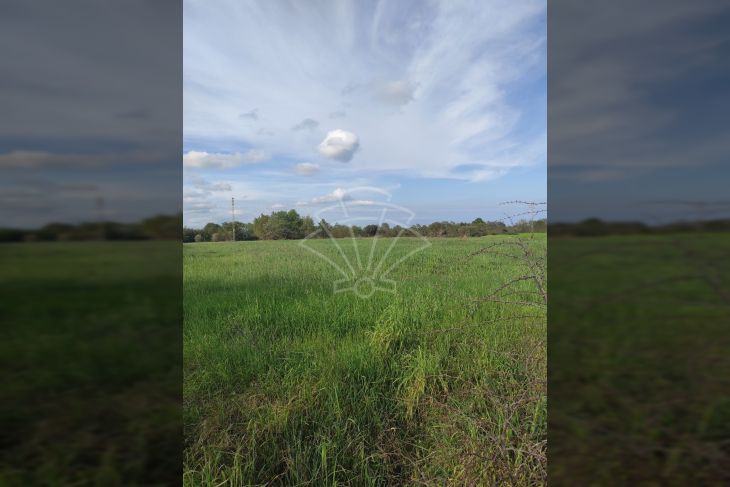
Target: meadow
{"x":442,"y":382}
{"x":639,"y":362}
{"x":91,"y":355}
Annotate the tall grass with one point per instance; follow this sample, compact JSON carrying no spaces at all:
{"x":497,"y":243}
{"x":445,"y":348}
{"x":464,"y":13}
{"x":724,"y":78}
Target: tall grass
{"x":639,"y":343}
{"x":287,"y":383}
{"x":91,"y":355}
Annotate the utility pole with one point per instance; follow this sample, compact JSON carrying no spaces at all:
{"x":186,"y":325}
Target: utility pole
{"x":233,"y":219}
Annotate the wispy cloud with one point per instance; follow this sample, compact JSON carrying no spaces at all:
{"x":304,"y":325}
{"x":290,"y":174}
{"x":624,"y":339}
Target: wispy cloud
{"x":208,"y":187}
{"x":390,"y":92}
{"x":447,"y":84}
{"x":202,"y":159}
{"x":253,"y":114}
{"x":307,"y":168}
{"x":306,"y":124}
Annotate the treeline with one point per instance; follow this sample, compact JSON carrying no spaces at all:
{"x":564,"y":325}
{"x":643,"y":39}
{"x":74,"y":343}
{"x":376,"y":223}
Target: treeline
{"x":160,"y":227}
{"x":594,"y":227}
{"x":289,"y":225}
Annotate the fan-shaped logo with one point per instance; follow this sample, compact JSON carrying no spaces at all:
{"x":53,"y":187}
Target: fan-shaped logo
{"x":364,"y":262}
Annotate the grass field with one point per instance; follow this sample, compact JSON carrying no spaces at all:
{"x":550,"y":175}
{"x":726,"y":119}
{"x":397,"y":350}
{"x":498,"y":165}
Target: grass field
{"x":639,"y":374}
{"x":90,"y":355}
{"x":287,"y":383}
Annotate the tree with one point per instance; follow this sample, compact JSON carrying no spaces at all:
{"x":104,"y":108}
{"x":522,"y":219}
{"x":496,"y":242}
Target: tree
{"x":326,"y":228}
{"x":437,"y":229}
{"x":287,"y":225}
{"x":384,"y":230}
{"x":209,"y":229}
{"x":370,"y":230}
{"x":478,"y":228}
{"x":308,"y":226}
{"x":248,"y":233}
{"x":261,"y":227}
{"x":340,"y":231}
{"x":51,"y":231}
{"x":293,"y":225}
{"x":497,"y":227}
{"x":165,"y":227}
{"x":189,"y":234}
{"x":280,"y":225}
{"x":243,"y":231}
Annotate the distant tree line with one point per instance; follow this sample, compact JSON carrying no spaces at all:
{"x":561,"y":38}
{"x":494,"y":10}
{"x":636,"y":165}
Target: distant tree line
{"x":284,"y":225}
{"x":594,"y":227}
{"x":289,"y":225}
{"x":160,"y":227}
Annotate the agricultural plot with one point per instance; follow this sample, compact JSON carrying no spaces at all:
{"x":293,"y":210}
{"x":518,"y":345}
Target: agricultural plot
{"x":289,"y":383}
{"x":639,"y":360}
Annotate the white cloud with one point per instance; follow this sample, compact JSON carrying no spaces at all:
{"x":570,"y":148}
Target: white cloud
{"x":337,"y":195}
{"x":340,"y":145}
{"x":277,"y":206}
{"x":201,"y":159}
{"x":307,"y":168}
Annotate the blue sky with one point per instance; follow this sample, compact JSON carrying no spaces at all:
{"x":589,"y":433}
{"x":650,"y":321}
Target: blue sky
{"x":292,"y":104}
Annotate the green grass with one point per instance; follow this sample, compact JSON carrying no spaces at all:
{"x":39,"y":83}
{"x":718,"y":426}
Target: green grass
{"x":90,"y":355}
{"x":639,"y":360}
{"x":288,"y":383}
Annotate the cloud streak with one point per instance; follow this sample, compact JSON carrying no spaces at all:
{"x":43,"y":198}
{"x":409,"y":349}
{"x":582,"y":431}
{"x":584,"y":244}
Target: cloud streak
{"x":202,"y":159}
{"x":307,"y":168}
